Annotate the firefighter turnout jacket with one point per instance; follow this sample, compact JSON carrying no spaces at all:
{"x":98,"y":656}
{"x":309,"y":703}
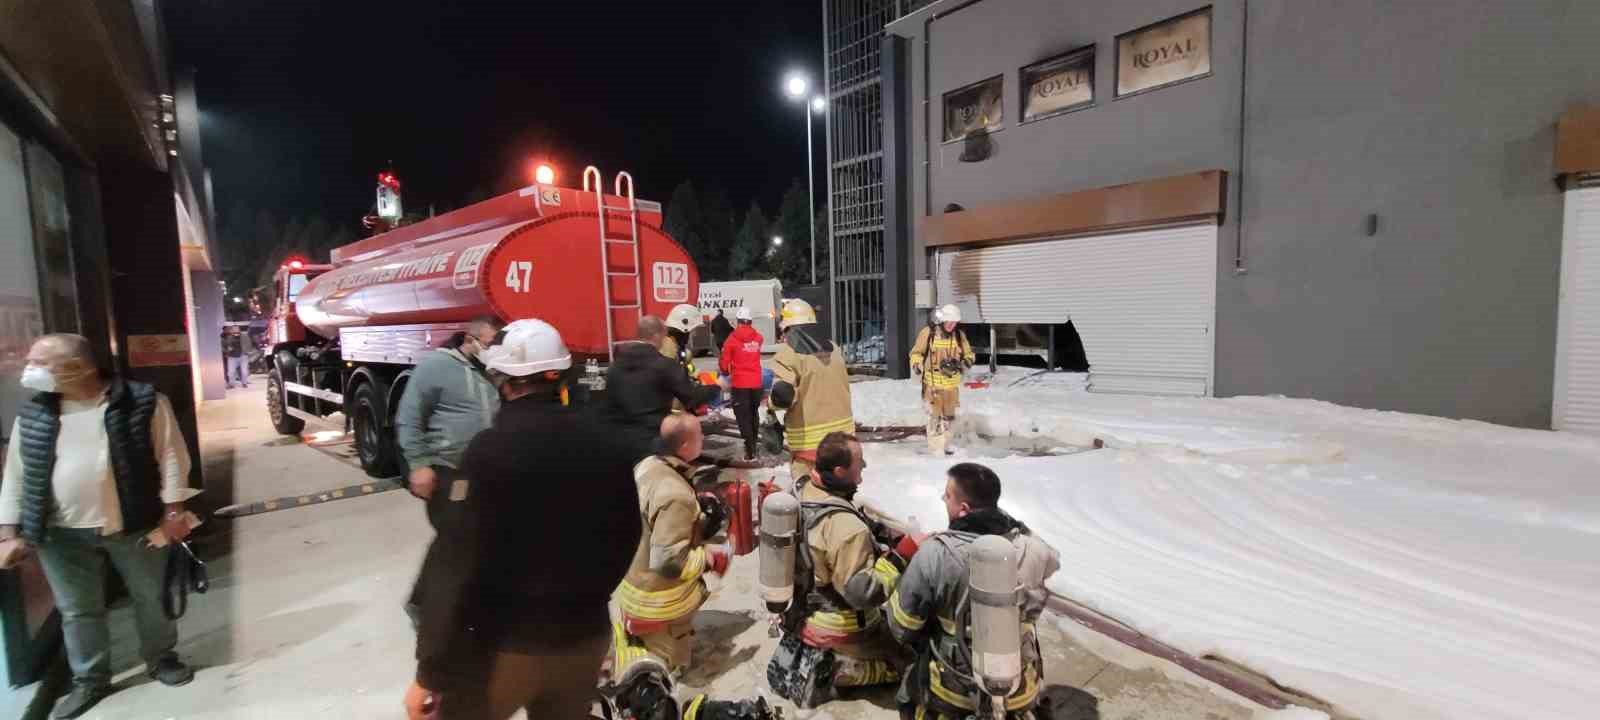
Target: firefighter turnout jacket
{"x":664,"y":584}
{"x":852,"y":575}
{"x":929,"y":606}
{"x":941,"y":357}
{"x":821,"y":403}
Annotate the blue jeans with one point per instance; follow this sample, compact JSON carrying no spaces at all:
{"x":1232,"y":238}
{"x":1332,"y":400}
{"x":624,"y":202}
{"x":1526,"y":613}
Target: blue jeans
{"x":74,"y":563}
{"x":238,"y":370}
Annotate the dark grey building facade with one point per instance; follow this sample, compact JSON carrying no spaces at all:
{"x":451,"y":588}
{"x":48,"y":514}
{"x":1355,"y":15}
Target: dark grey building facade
{"x":105,"y":231}
{"x":1388,"y":219}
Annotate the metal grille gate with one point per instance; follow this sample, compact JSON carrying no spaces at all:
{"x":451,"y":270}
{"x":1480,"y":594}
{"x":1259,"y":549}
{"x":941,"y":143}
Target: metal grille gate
{"x":852,"y":44}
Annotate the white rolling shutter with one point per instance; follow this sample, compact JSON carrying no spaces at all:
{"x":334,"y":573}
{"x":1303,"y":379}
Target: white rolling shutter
{"x":1577,"y":396}
{"x":1144,"y":302}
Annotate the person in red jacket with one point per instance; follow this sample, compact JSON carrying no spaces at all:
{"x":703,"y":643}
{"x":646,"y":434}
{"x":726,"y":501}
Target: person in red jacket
{"x":741,"y":363}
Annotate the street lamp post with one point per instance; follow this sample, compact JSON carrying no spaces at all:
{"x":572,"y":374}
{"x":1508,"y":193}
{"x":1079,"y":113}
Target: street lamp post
{"x":796,"y":86}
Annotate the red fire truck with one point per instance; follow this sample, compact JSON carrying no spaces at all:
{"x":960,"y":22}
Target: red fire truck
{"x":344,"y":335}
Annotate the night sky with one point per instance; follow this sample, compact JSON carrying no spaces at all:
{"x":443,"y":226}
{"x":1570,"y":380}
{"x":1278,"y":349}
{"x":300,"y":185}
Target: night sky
{"x":304,"y":101}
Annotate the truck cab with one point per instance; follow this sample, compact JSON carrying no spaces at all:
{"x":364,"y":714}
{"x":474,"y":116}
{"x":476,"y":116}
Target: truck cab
{"x":292,"y":277}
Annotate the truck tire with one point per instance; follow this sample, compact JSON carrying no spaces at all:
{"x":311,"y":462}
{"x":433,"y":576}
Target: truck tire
{"x":277,"y":406}
{"x":375,"y":443}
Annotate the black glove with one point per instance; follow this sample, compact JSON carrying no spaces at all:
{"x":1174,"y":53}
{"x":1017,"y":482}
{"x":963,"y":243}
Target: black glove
{"x":885,"y":535}
{"x":713,"y":514}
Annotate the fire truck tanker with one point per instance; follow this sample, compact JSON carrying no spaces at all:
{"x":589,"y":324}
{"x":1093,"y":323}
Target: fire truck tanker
{"x":345,"y":335}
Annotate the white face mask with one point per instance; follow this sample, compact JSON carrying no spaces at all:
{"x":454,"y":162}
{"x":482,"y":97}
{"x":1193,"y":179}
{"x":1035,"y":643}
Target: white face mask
{"x":39,"y":379}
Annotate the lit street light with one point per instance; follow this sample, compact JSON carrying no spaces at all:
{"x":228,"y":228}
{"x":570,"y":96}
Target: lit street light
{"x":797,"y":87}
{"x":777,"y":241}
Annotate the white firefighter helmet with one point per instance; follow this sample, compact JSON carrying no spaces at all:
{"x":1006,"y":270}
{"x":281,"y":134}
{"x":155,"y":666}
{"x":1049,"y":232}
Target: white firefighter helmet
{"x":743,"y":315}
{"x":796,"y":312}
{"x":530,"y":346}
{"x":684,"y":317}
{"x":948,"y":313}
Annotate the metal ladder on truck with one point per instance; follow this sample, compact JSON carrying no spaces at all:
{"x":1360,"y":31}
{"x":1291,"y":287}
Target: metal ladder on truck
{"x":631,"y":240}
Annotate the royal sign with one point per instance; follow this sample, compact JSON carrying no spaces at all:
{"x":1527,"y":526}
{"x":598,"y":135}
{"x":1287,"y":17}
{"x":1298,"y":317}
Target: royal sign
{"x":1167,"y":52}
{"x":1058,"y":85}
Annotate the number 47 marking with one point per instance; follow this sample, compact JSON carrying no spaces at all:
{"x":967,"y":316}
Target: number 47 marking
{"x":519,"y":275}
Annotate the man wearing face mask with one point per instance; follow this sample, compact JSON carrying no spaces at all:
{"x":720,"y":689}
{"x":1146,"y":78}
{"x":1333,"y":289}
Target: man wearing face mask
{"x":447,"y":402}
{"x":534,"y":534}
{"x":94,"y":466}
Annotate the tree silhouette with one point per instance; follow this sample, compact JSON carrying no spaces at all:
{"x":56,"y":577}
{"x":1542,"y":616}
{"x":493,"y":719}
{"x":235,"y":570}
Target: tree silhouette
{"x":748,"y":258}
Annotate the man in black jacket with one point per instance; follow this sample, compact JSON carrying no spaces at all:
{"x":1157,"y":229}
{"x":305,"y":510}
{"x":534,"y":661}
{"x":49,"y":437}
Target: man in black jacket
{"x":721,"y":329}
{"x":642,"y":383}
{"x":533,"y":536}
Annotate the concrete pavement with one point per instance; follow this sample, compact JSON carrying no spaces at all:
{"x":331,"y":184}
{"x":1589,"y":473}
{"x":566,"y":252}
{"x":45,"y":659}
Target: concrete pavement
{"x":304,"y":617}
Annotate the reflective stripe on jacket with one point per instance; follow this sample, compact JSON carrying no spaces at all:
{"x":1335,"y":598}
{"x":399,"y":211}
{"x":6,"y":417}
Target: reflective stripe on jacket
{"x":931,"y":351}
{"x":663,"y":582}
{"x":932,"y":595}
{"x":821,"y":395}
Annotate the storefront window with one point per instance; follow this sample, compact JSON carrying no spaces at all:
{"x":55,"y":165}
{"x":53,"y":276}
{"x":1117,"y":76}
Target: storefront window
{"x":58,"y":294}
{"x":20,"y":319}
{"x":26,"y":604}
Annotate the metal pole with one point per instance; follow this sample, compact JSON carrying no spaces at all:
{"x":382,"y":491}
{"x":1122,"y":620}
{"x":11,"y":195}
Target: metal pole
{"x":811,"y":193}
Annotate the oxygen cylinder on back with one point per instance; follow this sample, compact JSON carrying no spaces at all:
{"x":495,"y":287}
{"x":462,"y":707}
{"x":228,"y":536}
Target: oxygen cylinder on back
{"x":996,"y":617}
{"x":780,"y":521}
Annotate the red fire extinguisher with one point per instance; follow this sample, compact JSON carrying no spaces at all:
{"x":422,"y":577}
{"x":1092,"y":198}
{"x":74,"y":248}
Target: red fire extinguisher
{"x":741,"y":526}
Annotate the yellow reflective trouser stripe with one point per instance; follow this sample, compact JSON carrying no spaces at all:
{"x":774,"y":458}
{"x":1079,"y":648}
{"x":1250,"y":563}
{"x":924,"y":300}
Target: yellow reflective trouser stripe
{"x":1018,"y":701}
{"x":669,"y":604}
{"x":624,"y":650}
{"x":808,"y":437}
{"x":855,"y":672}
{"x":887,"y":574}
{"x":844,"y":622}
{"x":948,"y":625}
{"x":692,"y":712}
{"x":903,"y":618}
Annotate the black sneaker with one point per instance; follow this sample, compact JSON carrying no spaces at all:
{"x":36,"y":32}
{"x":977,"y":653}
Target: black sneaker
{"x":80,"y":700}
{"x":171,"y":671}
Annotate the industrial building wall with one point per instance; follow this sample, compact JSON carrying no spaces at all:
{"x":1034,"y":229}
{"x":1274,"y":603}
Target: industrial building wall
{"x":1180,"y":129}
{"x":1436,"y":118}
{"x":1440,"y":119}
{"x":1176,"y":130}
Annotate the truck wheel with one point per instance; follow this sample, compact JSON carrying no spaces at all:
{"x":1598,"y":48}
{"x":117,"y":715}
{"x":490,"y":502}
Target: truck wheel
{"x":374,"y":443}
{"x":277,"y":407}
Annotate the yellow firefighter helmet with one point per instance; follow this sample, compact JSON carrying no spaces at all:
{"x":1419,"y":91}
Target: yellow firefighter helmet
{"x":796,"y":312}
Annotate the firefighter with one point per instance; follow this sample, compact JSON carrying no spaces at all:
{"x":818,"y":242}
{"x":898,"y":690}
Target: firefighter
{"x":682,"y":320}
{"x":665,"y":585}
{"x":845,"y":568}
{"x":810,"y":382}
{"x":940,"y":355}
{"x":936,"y":612}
